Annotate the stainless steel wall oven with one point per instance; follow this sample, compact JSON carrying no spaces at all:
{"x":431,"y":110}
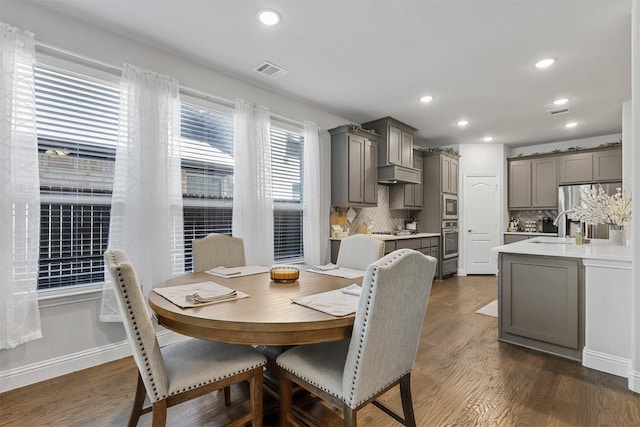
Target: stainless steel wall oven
{"x":449,"y":239}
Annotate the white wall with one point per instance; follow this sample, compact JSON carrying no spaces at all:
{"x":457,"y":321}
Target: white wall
{"x":73,"y":337}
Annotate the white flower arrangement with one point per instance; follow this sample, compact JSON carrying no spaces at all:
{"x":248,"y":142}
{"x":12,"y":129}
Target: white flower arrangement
{"x":600,"y":208}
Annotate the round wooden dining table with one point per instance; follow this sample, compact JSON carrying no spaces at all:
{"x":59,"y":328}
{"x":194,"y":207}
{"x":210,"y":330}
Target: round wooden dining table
{"x":266,"y":317}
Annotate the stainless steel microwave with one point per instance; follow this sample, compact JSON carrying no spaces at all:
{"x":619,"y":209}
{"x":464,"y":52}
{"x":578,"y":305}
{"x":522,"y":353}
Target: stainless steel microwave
{"x":449,"y":206}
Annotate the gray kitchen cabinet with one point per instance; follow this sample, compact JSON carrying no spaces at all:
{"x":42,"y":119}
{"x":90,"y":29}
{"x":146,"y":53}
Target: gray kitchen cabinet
{"x":408,"y":196}
{"x":607,"y":165}
{"x":395,"y":143}
{"x":512,"y":238}
{"x":576,"y":168}
{"x":449,"y":171}
{"x":542,"y":303}
{"x":519,"y":184}
{"x":354,"y":167}
{"x":599,"y":165}
{"x":544,"y":182}
{"x":426,"y":245}
{"x":533,"y":183}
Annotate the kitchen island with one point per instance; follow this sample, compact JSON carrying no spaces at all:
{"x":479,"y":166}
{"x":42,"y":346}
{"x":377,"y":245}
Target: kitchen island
{"x":570,"y":300}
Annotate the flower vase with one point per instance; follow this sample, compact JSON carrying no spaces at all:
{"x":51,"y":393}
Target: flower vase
{"x":616,"y":235}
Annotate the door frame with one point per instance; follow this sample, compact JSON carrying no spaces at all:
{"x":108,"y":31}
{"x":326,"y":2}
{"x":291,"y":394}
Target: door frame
{"x":463,"y":248}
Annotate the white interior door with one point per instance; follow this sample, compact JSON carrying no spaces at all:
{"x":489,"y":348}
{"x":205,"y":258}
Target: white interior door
{"x":481,"y":219}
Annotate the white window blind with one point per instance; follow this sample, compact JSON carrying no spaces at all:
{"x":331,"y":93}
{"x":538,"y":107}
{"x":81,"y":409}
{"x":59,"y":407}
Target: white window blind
{"x":207,"y":174}
{"x":286,"y":164}
{"x":77,"y":124}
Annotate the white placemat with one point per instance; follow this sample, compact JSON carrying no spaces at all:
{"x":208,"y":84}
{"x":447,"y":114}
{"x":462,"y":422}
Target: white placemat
{"x":208,"y":290}
{"x":336,"y":303}
{"x":245,"y":270}
{"x":347,"y":273}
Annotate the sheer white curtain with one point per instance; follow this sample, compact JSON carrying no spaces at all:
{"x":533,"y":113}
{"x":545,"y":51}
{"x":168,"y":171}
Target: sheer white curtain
{"x":312,"y":229}
{"x":19,"y":190}
{"x":252,"y":184}
{"x":146,"y":207}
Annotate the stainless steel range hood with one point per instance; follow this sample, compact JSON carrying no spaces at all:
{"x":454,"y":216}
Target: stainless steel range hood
{"x":396,"y":174}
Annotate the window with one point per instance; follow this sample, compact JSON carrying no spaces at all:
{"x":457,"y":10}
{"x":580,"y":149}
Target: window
{"x":77,"y":120}
{"x":207,"y":164}
{"x":286,"y":158}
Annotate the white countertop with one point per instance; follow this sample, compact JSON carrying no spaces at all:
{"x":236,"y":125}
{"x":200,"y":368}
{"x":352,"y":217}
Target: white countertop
{"x":566,"y":247}
{"x":529,"y":233}
{"x":393,"y":237}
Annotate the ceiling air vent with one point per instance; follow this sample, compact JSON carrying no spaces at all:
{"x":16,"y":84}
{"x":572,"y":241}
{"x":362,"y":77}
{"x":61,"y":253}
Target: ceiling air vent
{"x":561,"y":110}
{"x":270,"y":70}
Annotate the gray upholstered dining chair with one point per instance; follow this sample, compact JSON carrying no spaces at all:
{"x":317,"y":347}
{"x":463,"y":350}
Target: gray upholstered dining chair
{"x":358,"y":251}
{"x":215,"y":250}
{"x":184,"y":370}
{"x":380,"y":354}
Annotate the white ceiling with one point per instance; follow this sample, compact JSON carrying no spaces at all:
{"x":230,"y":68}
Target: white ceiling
{"x":362,"y":60}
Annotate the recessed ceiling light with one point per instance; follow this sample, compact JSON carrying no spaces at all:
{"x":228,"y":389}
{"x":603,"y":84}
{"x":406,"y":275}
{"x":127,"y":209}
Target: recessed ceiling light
{"x":561,"y":101}
{"x":571,"y":124}
{"x":544,"y":63}
{"x":487,"y":139}
{"x":463,"y":123}
{"x":268,"y":17}
{"x":426,"y":98}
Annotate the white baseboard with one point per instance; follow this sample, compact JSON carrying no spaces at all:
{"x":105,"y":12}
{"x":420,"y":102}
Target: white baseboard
{"x":634,"y":381}
{"x":51,"y":368}
{"x":608,"y":363}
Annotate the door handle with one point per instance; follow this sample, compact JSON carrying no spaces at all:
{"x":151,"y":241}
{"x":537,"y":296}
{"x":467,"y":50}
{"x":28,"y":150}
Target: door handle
{"x":470,"y":230}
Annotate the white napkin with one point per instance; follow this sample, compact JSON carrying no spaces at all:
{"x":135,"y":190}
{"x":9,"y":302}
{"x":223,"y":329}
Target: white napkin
{"x":210,"y":295}
{"x":354,"y":289}
{"x":245,"y":270}
{"x":198,"y":294}
{"x":336,"y":302}
{"x":347,"y":273}
{"x":326,"y":267}
{"x":224,"y":271}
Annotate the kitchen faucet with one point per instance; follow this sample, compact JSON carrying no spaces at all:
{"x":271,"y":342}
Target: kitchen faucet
{"x":564,"y":212}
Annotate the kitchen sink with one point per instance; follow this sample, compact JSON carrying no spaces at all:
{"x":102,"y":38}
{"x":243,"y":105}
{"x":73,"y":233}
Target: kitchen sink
{"x":552,"y":240}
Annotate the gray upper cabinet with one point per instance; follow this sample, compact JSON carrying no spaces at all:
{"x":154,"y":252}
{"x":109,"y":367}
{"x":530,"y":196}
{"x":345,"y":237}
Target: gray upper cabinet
{"x":449,"y":170}
{"x":354,"y":167}
{"x":395,"y":143}
{"x":408,"y":196}
{"x":607,"y":165}
{"x":533,"y":183}
{"x":519,"y":184}
{"x":576,"y":168}
{"x":544,"y":183}
{"x":594,"y":166}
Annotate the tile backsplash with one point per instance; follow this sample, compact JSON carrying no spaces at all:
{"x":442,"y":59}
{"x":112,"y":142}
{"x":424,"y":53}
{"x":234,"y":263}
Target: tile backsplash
{"x":380,"y":217}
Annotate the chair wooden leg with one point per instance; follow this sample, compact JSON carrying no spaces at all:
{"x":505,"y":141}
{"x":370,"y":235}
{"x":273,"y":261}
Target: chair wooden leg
{"x":407,"y":404}
{"x":349,"y":416}
{"x":138,"y":401}
{"x":285,"y":399}
{"x":227,"y":396}
{"x":256,"y":390}
{"x":159,"y":413}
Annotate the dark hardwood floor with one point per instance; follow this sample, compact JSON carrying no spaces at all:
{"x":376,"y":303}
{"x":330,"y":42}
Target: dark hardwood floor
{"x":462,"y":377}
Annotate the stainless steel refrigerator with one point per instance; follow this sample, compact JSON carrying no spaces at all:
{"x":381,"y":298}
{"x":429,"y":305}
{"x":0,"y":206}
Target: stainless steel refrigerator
{"x":570,"y":196}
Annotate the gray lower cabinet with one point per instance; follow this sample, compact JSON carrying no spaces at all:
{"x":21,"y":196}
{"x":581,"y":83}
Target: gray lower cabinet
{"x":541,"y":303}
{"x":512,"y":238}
{"x":426,"y":245}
